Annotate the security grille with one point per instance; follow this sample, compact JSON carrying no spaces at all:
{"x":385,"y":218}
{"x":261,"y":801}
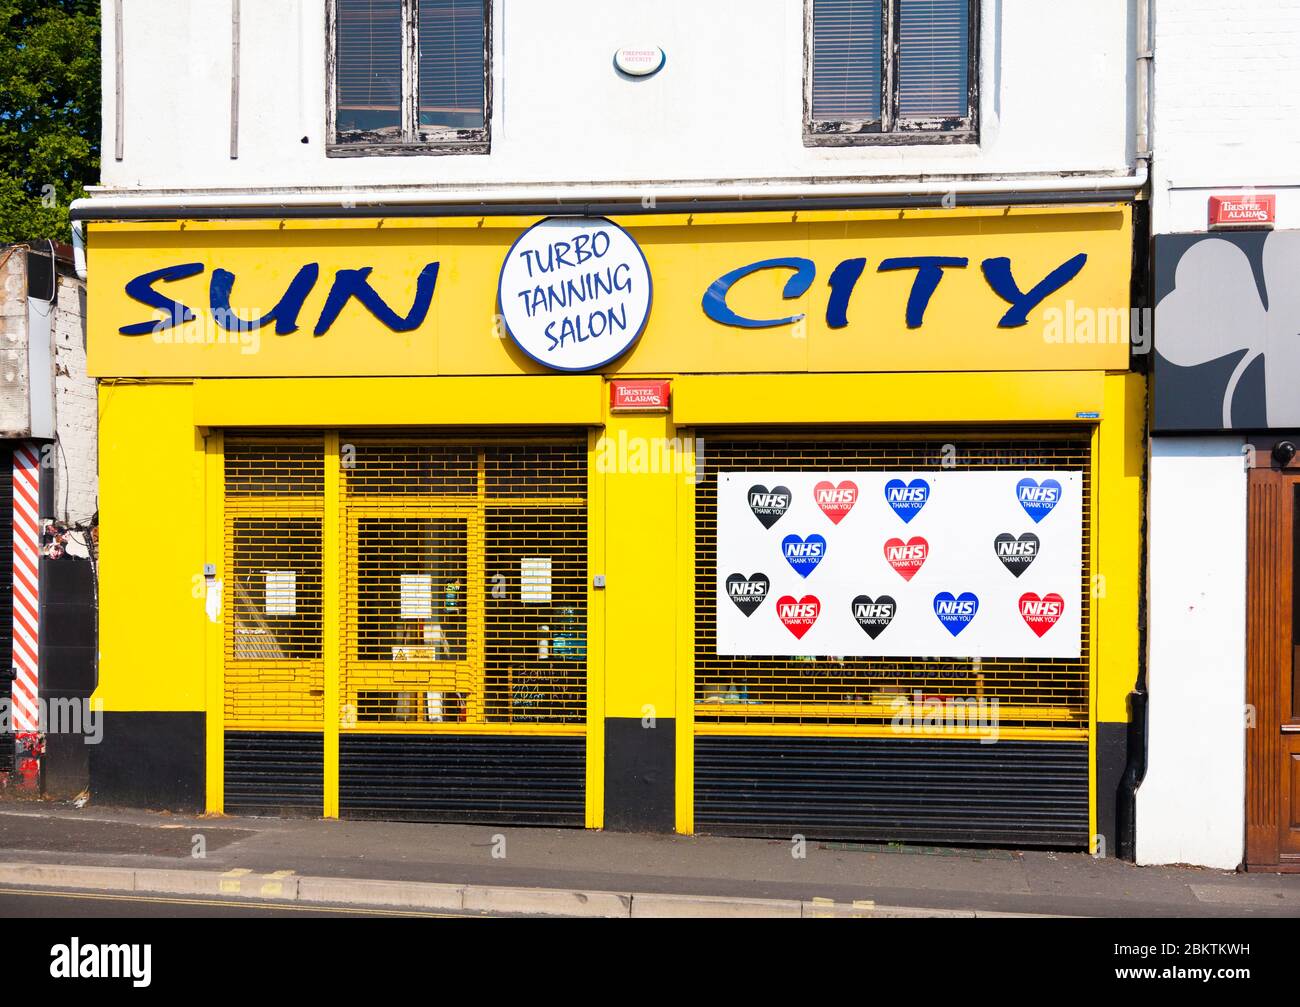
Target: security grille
{"x":275,"y":503}
{"x":464,"y":582}
{"x":1038,"y":694}
{"x":462,"y":596}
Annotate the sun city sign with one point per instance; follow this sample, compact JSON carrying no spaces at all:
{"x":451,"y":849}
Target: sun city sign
{"x":575,"y":294}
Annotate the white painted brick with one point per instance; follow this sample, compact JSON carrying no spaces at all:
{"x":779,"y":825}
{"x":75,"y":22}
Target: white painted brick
{"x":1227,"y":106}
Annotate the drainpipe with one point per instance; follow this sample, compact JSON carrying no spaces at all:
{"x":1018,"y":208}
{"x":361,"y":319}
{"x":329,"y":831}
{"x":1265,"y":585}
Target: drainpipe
{"x":1135,"y":768}
{"x":1144,"y":79}
{"x":79,"y":249}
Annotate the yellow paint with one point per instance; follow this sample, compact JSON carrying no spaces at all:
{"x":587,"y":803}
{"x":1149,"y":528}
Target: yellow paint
{"x":331,"y":616}
{"x":595,"y":793}
{"x":161,"y":439}
{"x":550,"y":400}
{"x":514,"y":730}
{"x":152,"y":465}
{"x":462,"y":335}
{"x":684,"y":742}
{"x":643,"y":462}
{"x":740,"y":399}
{"x":1117,"y":534}
{"x":214,"y":727}
{"x":878,"y":731}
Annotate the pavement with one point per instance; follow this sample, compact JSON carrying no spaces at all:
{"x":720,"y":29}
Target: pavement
{"x":46,"y":904}
{"x":484,"y":870}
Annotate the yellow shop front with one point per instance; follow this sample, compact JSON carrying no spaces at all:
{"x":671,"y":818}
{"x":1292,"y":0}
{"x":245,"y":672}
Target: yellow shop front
{"x":517,"y":520}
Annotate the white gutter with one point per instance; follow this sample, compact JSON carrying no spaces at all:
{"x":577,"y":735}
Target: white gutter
{"x":172,"y":204}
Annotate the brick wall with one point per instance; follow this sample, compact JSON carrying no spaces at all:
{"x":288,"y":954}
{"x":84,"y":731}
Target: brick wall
{"x":1227,"y":106}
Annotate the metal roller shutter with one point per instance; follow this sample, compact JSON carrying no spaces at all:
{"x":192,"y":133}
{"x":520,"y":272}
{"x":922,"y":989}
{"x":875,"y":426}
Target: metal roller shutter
{"x":797,"y":752}
{"x":460,"y":611}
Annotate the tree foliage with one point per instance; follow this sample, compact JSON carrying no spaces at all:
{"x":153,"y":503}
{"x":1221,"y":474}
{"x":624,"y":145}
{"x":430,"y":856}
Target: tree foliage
{"x":49,"y":113}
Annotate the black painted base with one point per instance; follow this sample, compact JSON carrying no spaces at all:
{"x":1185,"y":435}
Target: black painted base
{"x":640,"y":764}
{"x":1112,"y":754}
{"x":150,"y":760}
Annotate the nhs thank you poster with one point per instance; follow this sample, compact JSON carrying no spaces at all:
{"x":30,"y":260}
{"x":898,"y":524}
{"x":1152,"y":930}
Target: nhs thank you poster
{"x":900,"y":564}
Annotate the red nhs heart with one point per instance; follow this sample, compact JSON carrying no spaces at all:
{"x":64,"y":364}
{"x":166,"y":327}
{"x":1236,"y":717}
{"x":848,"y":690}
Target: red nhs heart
{"x":836,"y":501}
{"x":907,"y":557}
{"x":800,"y":615}
{"x":1041,"y":613}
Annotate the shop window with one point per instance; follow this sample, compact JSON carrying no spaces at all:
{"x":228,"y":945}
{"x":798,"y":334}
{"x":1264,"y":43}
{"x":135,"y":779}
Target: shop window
{"x":409,"y":76}
{"x":891,"y":71}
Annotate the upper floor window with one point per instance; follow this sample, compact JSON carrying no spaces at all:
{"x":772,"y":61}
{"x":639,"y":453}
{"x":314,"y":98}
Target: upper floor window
{"x":409,"y":76}
{"x":891,"y":71}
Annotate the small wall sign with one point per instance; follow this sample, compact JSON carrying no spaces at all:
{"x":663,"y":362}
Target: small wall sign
{"x":640,"y":396}
{"x":575,"y":292}
{"x":1242,"y":211}
{"x":640,"y":61}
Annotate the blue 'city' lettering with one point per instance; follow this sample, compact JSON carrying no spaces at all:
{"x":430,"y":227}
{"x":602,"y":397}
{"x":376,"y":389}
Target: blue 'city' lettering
{"x":930,"y":270}
{"x":715,"y":298}
{"x":998,"y":273}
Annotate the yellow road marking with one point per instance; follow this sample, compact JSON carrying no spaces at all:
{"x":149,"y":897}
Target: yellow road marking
{"x":234,"y":886}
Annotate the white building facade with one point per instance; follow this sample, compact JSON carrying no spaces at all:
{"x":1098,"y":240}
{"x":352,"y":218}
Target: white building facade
{"x":1225,"y":201}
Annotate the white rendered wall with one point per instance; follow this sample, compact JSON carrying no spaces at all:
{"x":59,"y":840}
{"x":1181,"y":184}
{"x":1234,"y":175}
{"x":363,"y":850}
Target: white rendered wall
{"x":1226,"y":107}
{"x":1191,"y":805}
{"x":76,"y":410}
{"x":1056,"y":97}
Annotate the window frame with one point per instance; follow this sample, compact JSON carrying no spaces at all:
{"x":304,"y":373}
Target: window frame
{"x":435,"y":140}
{"x":891,"y":129}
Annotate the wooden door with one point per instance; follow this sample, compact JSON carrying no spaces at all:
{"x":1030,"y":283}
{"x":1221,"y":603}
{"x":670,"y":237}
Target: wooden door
{"x":1273,"y":671}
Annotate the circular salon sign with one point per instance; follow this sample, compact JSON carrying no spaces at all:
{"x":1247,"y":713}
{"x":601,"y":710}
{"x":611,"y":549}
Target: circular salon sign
{"x":575,"y":292}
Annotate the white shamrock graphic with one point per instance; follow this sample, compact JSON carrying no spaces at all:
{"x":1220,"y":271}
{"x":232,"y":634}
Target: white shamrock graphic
{"x":1215,"y":309}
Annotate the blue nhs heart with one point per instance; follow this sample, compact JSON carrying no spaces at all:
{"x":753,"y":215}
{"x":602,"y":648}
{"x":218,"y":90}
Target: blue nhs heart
{"x":955,"y":612}
{"x":803,"y":554}
{"x":907,"y":499}
{"x":1037,"y":498}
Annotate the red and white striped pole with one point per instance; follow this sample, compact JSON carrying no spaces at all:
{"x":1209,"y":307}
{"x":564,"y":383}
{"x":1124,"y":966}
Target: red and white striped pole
{"x":25,"y":707}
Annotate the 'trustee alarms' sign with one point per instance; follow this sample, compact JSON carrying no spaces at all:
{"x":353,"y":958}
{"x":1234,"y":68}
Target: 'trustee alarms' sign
{"x":575,"y":293}
{"x":631,"y":396}
{"x":1242,"y":211}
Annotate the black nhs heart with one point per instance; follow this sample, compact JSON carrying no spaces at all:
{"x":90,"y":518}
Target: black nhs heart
{"x":769,"y":504}
{"x":874,"y":616}
{"x":747,"y":592}
{"x":1016,"y":553}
